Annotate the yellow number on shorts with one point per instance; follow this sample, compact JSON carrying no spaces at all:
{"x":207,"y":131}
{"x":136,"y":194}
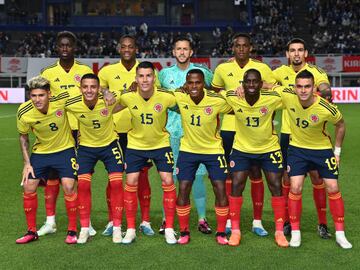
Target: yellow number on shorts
{"x":331,"y":163}
{"x":117,"y":155}
{"x":170,"y":157}
{"x":222,"y":161}
{"x":276,"y":157}
{"x":74,"y":165}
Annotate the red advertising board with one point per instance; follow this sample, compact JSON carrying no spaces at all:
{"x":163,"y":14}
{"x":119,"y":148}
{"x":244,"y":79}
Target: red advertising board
{"x":351,"y":63}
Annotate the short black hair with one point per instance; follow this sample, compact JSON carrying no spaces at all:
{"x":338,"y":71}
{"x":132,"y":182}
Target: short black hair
{"x":296,"y":40}
{"x":182,"y":38}
{"x":145,"y":64}
{"x":66,"y":34}
{"x":252,"y":70}
{"x":133,"y":38}
{"x":195,"y":71}
{"x":90,"y":76}
{"x":243,"y":35}
{"x":305,"y":74}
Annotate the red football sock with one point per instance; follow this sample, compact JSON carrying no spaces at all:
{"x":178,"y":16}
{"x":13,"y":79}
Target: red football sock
{"x":235,"y":204}
{"x":169,"y":204}
{"x":144,"y":194}
{"x":295,"y":209}
{"x":337,"y":210}
{"x":51,"y":193}
{"x":183,"y":213}
{"x":319,"y":195}
{"x":222,"y":213}
{"x":30,"y":208}
{"x":257,"y":195}
{"x":108,"y":201}
{"x":285,"y":193}
{"x":278,"y":205}
{"x":84,"y":198}
{"x":116,"y":197}
{"x":228,"y":186}
{"x":71,"y":204}
{"x":130,"y":203}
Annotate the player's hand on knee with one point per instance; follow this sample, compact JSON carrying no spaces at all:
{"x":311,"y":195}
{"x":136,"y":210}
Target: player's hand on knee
{"x":28,"y":169}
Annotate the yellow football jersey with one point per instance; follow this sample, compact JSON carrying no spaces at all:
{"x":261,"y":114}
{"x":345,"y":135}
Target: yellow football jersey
{"x":201,"y":122}
{"x":286,"y":75}
{"x":117,"y":77}
{"x":148,"y":119}
{"x":308,"y":126}
{"x":255,"y":132}
{"x":60,"y":80}
{"x":229,"y":76}
{"x":96,"y":126}
{"x":52,"y":130}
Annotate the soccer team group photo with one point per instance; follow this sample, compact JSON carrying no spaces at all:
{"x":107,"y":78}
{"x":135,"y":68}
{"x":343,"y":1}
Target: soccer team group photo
{"x":179,"y":134}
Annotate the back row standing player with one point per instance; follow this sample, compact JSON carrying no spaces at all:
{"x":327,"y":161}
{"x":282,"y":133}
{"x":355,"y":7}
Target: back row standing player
{"x":175,"y":77}
{"x":296,"y":52}
{"x":228,"y":76}
{"x":119,"y":76}
{"x":63,"y":75}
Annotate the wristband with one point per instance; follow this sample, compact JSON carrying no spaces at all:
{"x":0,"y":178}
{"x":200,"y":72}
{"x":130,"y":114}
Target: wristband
{"x":337,"y":151}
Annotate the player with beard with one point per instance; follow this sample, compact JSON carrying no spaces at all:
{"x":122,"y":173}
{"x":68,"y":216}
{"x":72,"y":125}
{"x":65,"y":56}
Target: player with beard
{"x":296,"y":52}
{"x":175,"y":77}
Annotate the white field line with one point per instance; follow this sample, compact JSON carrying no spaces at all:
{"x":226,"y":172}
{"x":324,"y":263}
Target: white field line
{"x":7,"y":116}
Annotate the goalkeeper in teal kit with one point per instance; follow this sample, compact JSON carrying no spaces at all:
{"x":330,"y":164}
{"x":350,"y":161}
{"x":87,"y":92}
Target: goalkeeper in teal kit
{"x":171,"y":78}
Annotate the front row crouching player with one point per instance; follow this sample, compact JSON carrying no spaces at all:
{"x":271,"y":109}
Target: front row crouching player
{"x":53,"y":149}
{"x":201,"y":144}
{"x":98,"y":141}
{"x":148,"y":139}
{"x":256,"y":144}
{"x":308,"y":114}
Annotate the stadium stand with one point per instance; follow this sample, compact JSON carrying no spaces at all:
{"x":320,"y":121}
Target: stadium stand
{"x":328,"y":26}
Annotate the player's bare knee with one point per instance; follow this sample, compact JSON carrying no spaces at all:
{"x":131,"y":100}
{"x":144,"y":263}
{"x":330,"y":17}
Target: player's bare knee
{"x":275,"y":188}
{"x":29,"y":187}
{"x":331,"y":185}
{"x":68,"y":188}
{"x":296,"y":189}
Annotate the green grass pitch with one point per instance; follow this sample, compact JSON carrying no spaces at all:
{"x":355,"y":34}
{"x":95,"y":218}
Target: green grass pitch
{"x":50,"y":252}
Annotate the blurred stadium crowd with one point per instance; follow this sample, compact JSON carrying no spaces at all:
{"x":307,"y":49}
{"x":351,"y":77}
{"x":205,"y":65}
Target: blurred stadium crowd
{"x":332,"y":25}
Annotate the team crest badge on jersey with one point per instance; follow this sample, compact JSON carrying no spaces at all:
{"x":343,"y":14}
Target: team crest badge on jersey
{"x":314,"y":118}
{"x":232,"y":164}
{"x":208,"y":110}
{"x":77,"y":78}
{"x":104,"y":112}
{"x":59,"y":113}
{"x":264,"y":110}
{"x":158,"y":107}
